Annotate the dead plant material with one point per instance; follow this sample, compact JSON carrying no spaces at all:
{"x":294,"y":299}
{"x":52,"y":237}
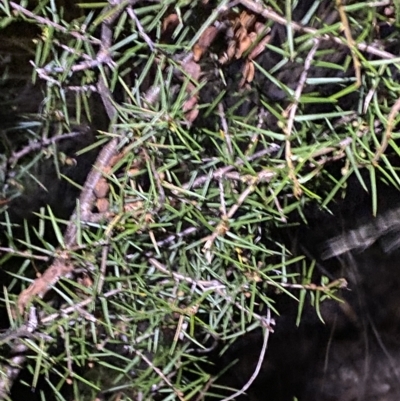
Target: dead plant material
{"x":247,"y":38}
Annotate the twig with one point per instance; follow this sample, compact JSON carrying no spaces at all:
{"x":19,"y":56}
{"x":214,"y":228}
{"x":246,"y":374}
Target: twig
{"x":225,"y":129}
{"x":178,"y":393}
{"x":11,"y":369}
{"x":24,"y":254}
{"x":77,"y":307}
{"x":291,"y":110}
{"x":39,"y":145}
{"x":47,"y":22}
{"x":62,"y":266}
{"x":142,"y":33}
{"x":259,"y":362}
{"x":278,"y":206}
{"x":238,"y":162}
{"x":215,"y":286}
{"x":101,"y":58}
{"x":87,"y":196}
{"x":223,"y":226}
{"x":350,"y":41}
{"x":338,"y":283}
{"x":203,"y":391}
{"x":388,"y":133}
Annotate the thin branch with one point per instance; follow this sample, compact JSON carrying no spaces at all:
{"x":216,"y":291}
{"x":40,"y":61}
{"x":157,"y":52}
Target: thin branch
{"x":259,"y":362}
{"x":217,"y":174}
{"x":23,"y":254}
{"x":215,"y":286}
{"x":291,"y":110}
{"x":88,"y":196}
{"x":142,"y":33}
{"x":178,"y":393}
{"x":350,"y":41}
{"x":388,"y":133}
{"x":33,"y":146}
{"x":52,"y":24}
{"x":10,"y":370}
{"x":223,"y":226}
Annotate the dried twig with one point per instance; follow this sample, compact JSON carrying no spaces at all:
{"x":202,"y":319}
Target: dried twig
{"x":23,"y":254}
{"x":267,"y":329}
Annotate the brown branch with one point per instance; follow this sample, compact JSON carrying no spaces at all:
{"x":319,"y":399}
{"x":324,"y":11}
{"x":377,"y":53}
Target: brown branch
{"x":88,"y":196}
{"x":140,"y":28}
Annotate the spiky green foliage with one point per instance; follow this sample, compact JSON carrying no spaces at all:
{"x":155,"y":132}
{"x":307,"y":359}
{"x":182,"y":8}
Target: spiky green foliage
{"x":188,"y":252}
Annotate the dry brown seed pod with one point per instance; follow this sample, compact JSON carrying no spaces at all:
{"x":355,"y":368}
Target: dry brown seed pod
{"x":204,"y":42}
{"x":198,"y":51}
{"x":247,"y":20}
{"x":244,"y":45}
{"x":190,"y":103}
{"x":259,"y":48}
{"x":102,"y":188}
{"x":102,"y":205}
{"x":241,"y":33}
{"x":192,"y":69}
{"x":208,"y":36}
{"x":248,"y":72}
{"x":192,"y":115}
